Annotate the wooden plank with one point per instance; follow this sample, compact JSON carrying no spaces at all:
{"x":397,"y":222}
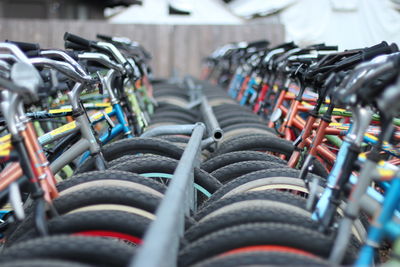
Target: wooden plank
{"x":181,"y":46}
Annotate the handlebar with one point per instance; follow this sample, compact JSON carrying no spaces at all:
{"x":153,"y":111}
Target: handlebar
{"x":64,"y":68}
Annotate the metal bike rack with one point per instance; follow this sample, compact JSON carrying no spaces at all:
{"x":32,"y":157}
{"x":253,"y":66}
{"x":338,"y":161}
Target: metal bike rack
{"x":214,"y":132}
{"x":210,"y":120}
{"x":195,"y":90}
{"x":161,"y":241}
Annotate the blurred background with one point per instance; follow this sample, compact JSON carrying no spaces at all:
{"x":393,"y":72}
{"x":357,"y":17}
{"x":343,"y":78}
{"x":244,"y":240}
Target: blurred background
{"x":179,"y":33}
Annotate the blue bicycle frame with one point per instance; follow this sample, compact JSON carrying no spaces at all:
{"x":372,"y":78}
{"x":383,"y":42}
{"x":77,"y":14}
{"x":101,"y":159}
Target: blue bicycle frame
{"x":121,"y":127}
{"x":383,"y":225}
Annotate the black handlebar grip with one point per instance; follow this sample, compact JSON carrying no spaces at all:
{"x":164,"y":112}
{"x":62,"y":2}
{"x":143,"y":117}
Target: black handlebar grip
{"x":74,"y":46}
{"x":377,"y":46}
{"x":25,"y":46}
{"x":328,"y":47}
{"x":104,"y":37}
{"x":259,"y":44}
{"x":32,"y":53}
{"x":371,"y":53}
{"x":315,"y":46}
{"x":394,"y":48}
{"x":77,"y":39}
{"x":286,"y":46}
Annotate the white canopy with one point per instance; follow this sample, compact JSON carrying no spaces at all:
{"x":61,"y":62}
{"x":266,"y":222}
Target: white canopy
{"x":157,"y":12}
{"x":251,"y":8}
{"x":349,"y":24}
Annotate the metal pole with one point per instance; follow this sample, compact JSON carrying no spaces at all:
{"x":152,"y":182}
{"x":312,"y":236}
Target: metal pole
{"x":161,"y":241}
{"x":210,"y":120}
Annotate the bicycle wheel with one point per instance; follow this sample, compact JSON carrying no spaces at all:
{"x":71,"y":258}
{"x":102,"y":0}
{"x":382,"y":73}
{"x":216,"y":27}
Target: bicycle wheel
{"x":235,"y":157}
{"x":234,"y":170}
{"x":263,"y":256}
{"x":158,"y":164}
{"x":134,"y":146}
{"x":250,"y":211}
{"x":275,"y":178}
{"x":43,"y":263}
{"x":89,"y":250}
{"x":272,"y":195}
{"x":125,"y":226}
{"x":96,"y":198}
{"x":110,"y":178}
{"x":271,"y":144}
{"x":255,"y":234}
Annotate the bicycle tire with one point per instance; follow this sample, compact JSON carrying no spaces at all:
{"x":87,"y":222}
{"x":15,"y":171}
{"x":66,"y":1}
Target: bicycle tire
{"x":253,"y":234}
{"x":42,"y":263}
{"x":234,"y":170}
{"x":133,"y":146}
{"x":273,"y":195}
{"x":99,"y":176}
{"x":250,"y":211}
{"x":271,"y":173}
{"x":262,"y":258}
{"x":91,"y":197}
{"x":123,"y":224}
{"x":237,"y":156}
{"x":167,"y":165}
{"x":264,"y":143}
{"x":91,"y":250}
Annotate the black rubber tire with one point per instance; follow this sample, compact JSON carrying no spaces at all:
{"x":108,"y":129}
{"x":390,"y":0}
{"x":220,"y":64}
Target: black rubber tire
{"x":164,"y":107}
{"x":160,"y":164}
{"x":172,"y":114}
{"x":250,"y":211}
{"x":252,"y":234}
{"x":110,"y":175}
{"x":43,"y":263}
{"x":169,"y":120}
{"x":171,"y":92}
{"x":102,"y":220}
{"x":237,"y":156}
{"x":234,"y":114}
{"x":262,"y":258}
{"x":175,"y":139}
{"x":234,"y":170}
{"x":133,"y":146}
{"x":239,"y":120}
{"x":264,"y":143}
{"x":258,"y":143}
{"x":90,"y":250}
{"x":225,"y":107}
{"x":248,"y":126}
{"x":92,"y":196}
{"x":240,"y":135}
{"x":273,"y":195}
{"x":279,"y":172}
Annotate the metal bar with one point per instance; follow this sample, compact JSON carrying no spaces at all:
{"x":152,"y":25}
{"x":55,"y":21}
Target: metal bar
{"x":210,"y":120}
{"x":170,"y":129}
{"x":194,"y":104}
{"x":71,"y":154}
{"x":192,"y":88}
{"x":161,"y":241}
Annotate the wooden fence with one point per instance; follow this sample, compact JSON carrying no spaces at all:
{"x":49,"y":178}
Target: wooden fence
{"x":179,"y":47}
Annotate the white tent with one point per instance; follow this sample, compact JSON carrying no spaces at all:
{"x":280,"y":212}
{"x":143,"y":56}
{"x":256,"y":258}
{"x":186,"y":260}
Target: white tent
{"x":251,"y":8}
{"x":347,"y":23}
{"x":157,"y":12}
